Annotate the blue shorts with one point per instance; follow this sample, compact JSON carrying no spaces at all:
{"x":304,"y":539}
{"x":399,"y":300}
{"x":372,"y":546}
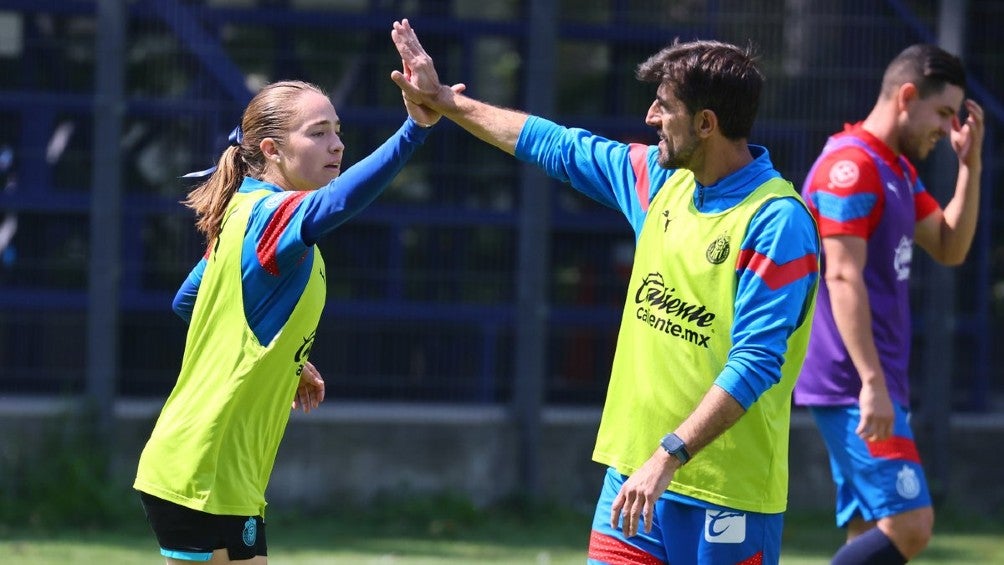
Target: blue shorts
{"x":874,"y":479}
{"x":684,"y":532}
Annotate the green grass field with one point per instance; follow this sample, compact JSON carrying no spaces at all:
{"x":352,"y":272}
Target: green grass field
{"x":451,"y":533}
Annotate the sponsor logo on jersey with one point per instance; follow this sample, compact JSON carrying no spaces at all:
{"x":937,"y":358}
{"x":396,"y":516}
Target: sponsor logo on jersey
{"x":844,"y":174}
{"x":907,"y":483}
{"x":303,"y":353}
{"x":664,"y":311}
{"x":724,"y":526}
{"x":667,"y":219}
{"x":272,"y":202}
{"x":902,"y":258}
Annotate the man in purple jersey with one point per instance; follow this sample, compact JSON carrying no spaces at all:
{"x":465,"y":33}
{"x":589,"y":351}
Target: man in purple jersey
{"x":871,"y":207}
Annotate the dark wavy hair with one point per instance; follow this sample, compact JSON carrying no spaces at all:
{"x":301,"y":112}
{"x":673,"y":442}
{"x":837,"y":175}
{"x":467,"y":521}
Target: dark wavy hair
{"x":711,"y":75}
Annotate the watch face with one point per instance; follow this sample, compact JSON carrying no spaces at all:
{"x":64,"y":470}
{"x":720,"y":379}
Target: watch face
{"x":674,"y":446}
{"x":671,"y":444}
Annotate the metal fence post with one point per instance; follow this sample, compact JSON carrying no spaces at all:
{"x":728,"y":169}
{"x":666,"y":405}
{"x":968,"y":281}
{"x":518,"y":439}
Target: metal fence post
{"x":533,"y":258}
{"x":105,"y":264}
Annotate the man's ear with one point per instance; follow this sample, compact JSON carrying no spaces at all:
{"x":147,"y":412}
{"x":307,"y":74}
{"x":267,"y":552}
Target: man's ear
{"x":906,"y":94}
{"x":705,"y":122}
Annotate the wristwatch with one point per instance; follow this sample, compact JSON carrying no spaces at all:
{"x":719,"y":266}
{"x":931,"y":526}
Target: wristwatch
{"x":675,"y":447}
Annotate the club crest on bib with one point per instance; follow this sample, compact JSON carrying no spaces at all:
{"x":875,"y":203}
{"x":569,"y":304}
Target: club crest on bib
{"x":718,"y":251}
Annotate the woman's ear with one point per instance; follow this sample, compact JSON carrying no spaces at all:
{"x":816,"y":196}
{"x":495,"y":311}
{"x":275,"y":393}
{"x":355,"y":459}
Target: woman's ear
{"x":269,"y":148}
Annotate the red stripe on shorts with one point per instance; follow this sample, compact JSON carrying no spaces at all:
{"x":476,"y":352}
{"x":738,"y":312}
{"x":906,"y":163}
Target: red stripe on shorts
{"x":755,"y":560}
{"x":613,"y":551}
{"x":894,"y":448}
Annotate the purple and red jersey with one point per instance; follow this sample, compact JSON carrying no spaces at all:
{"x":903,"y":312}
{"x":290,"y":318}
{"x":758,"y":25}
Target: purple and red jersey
{"x":860,"y":187}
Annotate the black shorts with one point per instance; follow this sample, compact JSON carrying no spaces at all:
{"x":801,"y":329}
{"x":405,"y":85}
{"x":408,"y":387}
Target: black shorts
{"x":189,"y":534}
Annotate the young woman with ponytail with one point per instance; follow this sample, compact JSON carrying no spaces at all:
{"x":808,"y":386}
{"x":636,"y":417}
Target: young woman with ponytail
{"x":252,"y":304}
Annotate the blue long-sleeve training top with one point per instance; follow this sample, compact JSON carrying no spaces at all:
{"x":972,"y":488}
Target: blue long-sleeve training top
{"x":626,"y":177}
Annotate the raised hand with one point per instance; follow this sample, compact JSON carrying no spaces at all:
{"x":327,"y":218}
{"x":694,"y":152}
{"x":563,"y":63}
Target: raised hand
{"x":422,"y":114}
{"x":418,"y":79}
{"x":429,"y":99}
{"x":967,"y":138}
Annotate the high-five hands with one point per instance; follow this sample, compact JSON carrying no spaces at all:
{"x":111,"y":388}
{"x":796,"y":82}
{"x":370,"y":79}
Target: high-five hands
{"x":418,"y":80}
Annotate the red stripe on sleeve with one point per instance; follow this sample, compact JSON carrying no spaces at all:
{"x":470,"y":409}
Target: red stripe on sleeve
{"x":774,"y":275}
{"x":268,"y":245}
{"x":924,"y":204}
{"x":613,"y":551}
{"x":857,"y":228}
{"x":756,"y":559}
{"x":639,"y":162}
{"x":894,"y":448}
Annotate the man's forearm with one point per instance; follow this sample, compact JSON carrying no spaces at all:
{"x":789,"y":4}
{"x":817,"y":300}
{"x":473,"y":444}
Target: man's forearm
{"x":716,"y":413}
{"x":852,"y":316}
{"x":960,"y":216}
{"x":497,"y":126}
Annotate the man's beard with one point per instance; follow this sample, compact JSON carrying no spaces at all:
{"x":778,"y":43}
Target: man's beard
{"x":910,"y":147}
{"x":680,"y":158}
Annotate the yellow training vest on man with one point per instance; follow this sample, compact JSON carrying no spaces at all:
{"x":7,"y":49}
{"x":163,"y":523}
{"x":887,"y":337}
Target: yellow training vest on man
{"x":674,"y":340}
{"x":215,"y":441}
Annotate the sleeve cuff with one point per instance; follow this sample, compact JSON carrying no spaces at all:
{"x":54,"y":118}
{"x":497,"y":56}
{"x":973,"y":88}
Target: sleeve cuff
{"x":417,"y":125}
{"x":732,"y":382}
